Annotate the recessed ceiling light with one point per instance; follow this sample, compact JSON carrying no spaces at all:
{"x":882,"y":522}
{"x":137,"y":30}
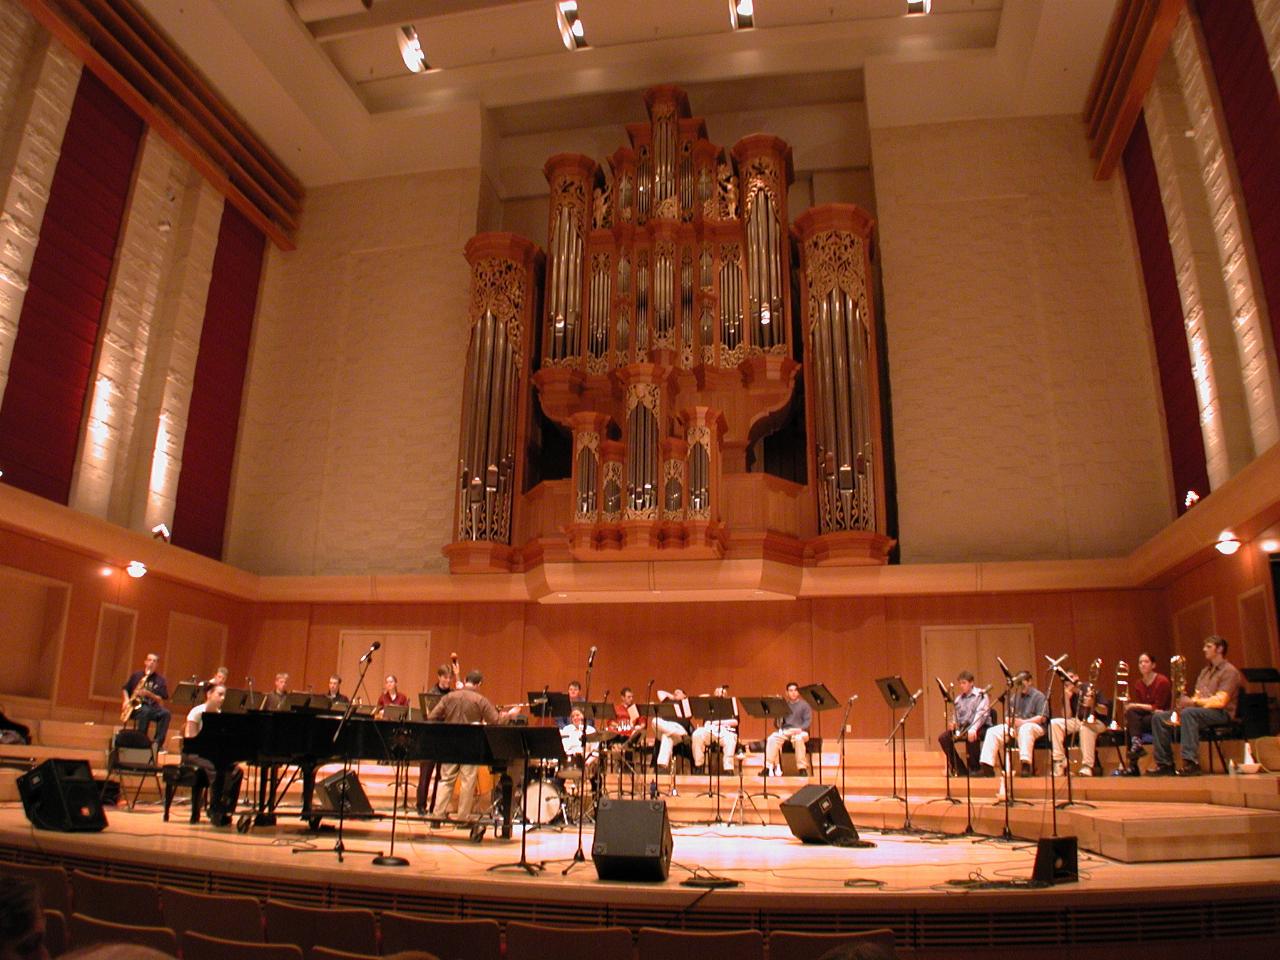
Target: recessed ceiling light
{"x":571,"y":31}
{"x":411,"y":49}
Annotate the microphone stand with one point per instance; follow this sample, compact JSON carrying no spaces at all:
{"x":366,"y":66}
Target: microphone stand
{"x":844,"y":725}
{"x":339,"y":847}
{"x":948,"y":714}
{"x":1066,"y":754}
{"x":578,"y":855}
{"x":1007,"y":772}
{"x":906,"y":793}
{"x":644,"y":751}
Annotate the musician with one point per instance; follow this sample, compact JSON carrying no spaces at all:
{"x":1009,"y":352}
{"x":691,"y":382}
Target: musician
{"x":724,"y":732}
{"x":574,"y":690}
{"x":219,"y":677}
{"x":794,"y":727}
{"x":152,"y":690}
{"x":1082,"y":701}
{"x":467,"y":705}
{"x":278,"y":698}
{"x":445,"y":682}
{"x":573,"y":737}
{"x":671,"y":732}
{"x":391,"y":695}
{"x":1216,"y":698}
{"x":334,"y":693}
{"x":970,"y":717}
{"x":1029,"y":711}
{"x":224,"y":782}
{"x":1152,"y":691}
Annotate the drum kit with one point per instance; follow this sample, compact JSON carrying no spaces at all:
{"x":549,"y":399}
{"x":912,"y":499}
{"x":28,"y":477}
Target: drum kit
{"x":557,"y":790}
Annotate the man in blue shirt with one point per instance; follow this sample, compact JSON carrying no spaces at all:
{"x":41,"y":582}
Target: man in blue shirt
{"x":150,"y":690}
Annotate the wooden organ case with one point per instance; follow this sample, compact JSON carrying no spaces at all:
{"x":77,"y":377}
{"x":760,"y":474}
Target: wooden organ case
{"x":677,"y":305}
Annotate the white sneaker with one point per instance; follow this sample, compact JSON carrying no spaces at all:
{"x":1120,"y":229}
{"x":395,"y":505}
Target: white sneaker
{"x":1059,"y":769}
{"x":1085,"y":772}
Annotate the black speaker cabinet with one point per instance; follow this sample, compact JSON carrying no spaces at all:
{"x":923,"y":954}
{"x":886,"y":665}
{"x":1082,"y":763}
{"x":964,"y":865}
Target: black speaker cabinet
{"x":1056,"y":861}
{"x":328,"y":798}
{"x":816,"y":814}
{"x":61,"y":795}
{"x":633,"y":840}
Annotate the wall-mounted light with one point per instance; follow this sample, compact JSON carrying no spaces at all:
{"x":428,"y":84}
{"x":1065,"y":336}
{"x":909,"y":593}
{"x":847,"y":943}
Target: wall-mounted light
{"x":1228,"y":543}
{"x":411,"y":49}
{"x":918,"y":7}
{"x":571,"y":31}
{"x":136,"y":569}
{"x":1270,"y":546}
{"x":161,"y":532}
{"x":106,"y":571}
{"x":742,"y":15}
{"x":1191,"y":499}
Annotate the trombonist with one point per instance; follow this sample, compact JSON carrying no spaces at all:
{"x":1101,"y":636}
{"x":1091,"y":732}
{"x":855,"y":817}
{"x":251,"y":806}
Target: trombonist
{"x":970,"y":717}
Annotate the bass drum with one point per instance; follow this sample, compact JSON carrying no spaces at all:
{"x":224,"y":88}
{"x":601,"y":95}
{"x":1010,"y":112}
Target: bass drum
{"x":546,"y":802}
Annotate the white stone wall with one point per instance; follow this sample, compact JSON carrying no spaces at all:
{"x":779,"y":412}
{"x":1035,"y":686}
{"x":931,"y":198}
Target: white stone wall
{"x":1025,"y":410}
{"x":350,"y":427}
{"x":38,"y":79}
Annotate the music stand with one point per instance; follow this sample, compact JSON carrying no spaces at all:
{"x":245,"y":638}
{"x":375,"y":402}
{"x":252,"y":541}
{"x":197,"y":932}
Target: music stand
{"x":525,"y":743}
{"x":708,"y":710}
{"x":898,"y":697}
{"x":187,"y":694}
{"x":819,"y":699}
{"x":765,"y":709}
{"x":550,"y":705}
{"x":427,"y":702}
{"x":890,"y":693}
{"x":395,"y":713}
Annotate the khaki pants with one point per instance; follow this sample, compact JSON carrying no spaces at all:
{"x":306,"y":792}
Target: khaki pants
{"x":466,"y":775}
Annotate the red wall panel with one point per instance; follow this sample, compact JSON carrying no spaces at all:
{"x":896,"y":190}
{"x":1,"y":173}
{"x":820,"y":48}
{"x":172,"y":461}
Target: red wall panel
{"x":1173,"y":359}
{"x":208,"y":452}
{"x":1251,"y":108}
{"x":53,"y":353}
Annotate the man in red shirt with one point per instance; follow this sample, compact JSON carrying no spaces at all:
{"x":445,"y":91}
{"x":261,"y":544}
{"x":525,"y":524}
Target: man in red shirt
{"x":1147,"y":694}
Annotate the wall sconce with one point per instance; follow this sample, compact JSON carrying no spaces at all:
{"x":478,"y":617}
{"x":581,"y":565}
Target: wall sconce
{"x":1228,"y":543}
{"x":918,"y":7}
{"x":1191,"y":499}
{"x":1270,"y":546}
{"x":415,"y":60}
{"x":741,"y":14}
{"x":136,"y":569}
{"x":161,"y":532}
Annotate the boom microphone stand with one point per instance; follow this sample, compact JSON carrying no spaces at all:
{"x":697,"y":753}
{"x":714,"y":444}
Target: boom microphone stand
{"x":902,"y":726}
{"x":1071,"y":801}
{"x":948,"y":715}
{"x":844,"y":726}
{"x":1007,"y":772}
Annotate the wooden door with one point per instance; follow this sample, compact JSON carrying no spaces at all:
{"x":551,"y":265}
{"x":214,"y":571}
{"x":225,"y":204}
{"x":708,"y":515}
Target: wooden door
{"x":405,"y":653}
{"x":948,"y":650}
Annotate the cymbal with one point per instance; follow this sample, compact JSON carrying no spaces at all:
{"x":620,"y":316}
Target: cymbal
{"x":602,"y":736}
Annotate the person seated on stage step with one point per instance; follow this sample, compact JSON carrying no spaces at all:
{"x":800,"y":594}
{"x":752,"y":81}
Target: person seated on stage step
{"x":723,"y":732}
{"x":391,"y":695}
{"x":1029,"y":711}
{"x":970,"y":717}
{"x":573,"y":738}
{"x":1080,"y":709}
{"x":224,"y":782}
{"x":151,"y":690}
{"x":467,"y":705}
{"x":1149,"y":693}
{"x":278,"y":698}
{"x":794,"y":727}
{"x":671,"y":732}
{"x":13,"y":732}
{"x":1216,"y":697}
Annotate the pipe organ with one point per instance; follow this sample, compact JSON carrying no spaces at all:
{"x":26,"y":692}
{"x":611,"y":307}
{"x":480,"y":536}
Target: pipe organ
{"x":665,"y":352}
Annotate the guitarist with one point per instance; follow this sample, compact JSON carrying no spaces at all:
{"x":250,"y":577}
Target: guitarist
{"x":144,"y":694}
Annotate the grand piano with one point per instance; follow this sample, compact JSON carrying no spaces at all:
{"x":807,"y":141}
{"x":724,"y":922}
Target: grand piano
{"x":305,"y":739}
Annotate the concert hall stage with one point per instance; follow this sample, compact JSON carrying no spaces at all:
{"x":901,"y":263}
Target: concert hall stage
{"x":1226,"y":903}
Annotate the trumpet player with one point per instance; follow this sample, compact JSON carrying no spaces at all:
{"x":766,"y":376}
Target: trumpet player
{"x":1149,"y":693}
{"x":1214,"y":701}
{"x":971,"y":713}
{"x":1088,"y":713}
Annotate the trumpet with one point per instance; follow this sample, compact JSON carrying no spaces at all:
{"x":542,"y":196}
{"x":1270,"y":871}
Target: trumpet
{"x":1178,"y":677}
{"x":1120,"y":695}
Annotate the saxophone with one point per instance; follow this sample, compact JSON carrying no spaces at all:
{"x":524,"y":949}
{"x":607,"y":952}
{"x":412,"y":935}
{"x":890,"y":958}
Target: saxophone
{"x":1089,"y":693}
{"x":135,"y":699}
{"x":1120,"y":696}
{"x":1178,"y":677}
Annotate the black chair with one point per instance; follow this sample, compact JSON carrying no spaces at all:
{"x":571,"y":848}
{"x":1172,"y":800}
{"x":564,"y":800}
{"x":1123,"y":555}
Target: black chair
{"x":1216,"y":734}
{"x":134,"y":755}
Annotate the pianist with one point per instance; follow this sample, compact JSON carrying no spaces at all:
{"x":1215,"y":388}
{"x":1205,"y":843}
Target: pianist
{"x":467,"y":705}
{"x":224,"y":783}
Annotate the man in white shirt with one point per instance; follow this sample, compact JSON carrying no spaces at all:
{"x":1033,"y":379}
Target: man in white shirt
{"x":723,"y":732}
{"x":671,"y":732}
{"x":573,"y":736}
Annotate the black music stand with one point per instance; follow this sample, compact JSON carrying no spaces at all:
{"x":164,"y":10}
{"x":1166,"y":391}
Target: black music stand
{"x":819,"y":699}
{"x":712,"y":709}
{"x":766,"y":709}
{"x":187,"y":694}
{"x":550,"y":704}
{"x":524,"y":743}
{"x":427,"y":702}
{"x":898,"y":697}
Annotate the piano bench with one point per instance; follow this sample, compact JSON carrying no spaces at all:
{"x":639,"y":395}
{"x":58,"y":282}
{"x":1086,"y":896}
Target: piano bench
{"x":185,"y":775}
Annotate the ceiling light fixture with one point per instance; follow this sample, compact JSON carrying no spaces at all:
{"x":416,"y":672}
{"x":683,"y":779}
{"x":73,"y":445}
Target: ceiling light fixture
{"x":571,"y":31}
{"x":1228,"y":543}
{"x":136,"y":569}
{"x":1270,"y":546}
{"x":411,"y":49}
{"x":161,"y":532}
{"x":918,"y":7}
{"x":742,"y":15}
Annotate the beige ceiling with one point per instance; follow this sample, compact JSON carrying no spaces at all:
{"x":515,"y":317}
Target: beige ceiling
{"x":322,"y":81}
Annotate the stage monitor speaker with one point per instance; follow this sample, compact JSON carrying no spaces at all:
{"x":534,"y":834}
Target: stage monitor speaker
{"x":328,"y":797}
{"x":816,"y":814}
{"x":61,"y":795}
{"x":1056,"y":861}
{"x":633,"y":840}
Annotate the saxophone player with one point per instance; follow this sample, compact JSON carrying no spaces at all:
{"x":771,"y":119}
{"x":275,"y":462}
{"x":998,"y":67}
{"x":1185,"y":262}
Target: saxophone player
{"x":147,"y":690}
{"x":1088,"y":713}
{"x":1216,"y":697}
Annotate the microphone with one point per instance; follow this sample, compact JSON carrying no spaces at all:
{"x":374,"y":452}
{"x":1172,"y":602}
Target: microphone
{"x":1054,"y":663}
{"x":987,"y":688}
{"x":377,"y":644}
{"x":853,"y":699}
{"x":1005,"y":670}
{"x":591,"y":658}
{"x":916,"y":696}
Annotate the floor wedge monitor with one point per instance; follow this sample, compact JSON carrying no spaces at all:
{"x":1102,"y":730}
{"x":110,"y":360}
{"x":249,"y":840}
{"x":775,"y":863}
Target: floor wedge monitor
{"x":816,"y":814}
{"x":61,"y":795}
{"x":633,"y":840}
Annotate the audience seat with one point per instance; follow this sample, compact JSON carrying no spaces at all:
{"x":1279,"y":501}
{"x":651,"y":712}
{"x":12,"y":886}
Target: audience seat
{"x":55,"y":932}
{"x":198,"y":946}
{"x":86,"y":931}
{"x":784,"y":945}
{"x":55,"y":894}
{"x":355,"y":931}
{"x":535,"y":941}
{"x":217,"y":915}
{"x":324,"y":953}
{"x":447,"y":939}
{"x":117,"y":901}
{"x":656,"y":944}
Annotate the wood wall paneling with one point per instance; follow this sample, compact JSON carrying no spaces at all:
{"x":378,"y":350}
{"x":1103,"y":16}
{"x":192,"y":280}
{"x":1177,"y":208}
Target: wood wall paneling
{"x":112,"y":651}
{"x":33,"y":610}
{"x":194,"y":648}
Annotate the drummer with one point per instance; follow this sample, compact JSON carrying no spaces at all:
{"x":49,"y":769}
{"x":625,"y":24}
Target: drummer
{"x":574,"y":735}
